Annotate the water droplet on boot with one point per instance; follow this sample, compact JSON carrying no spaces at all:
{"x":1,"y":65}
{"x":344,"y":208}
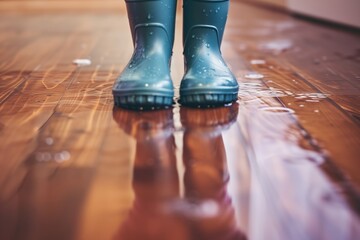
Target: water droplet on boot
{"x":149,"y":16}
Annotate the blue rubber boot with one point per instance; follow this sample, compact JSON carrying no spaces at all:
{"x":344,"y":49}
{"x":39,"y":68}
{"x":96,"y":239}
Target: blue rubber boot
{"x":207,"y":80}
{"x":145,"y":83}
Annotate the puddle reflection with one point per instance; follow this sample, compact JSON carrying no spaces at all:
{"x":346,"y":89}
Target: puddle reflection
{"x":291,"y":181}
{"x":282,"y":186}
{"x":159,"y":212}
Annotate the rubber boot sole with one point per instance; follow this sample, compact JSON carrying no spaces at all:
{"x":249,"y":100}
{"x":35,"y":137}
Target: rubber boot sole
{"x":142,"y":100}
{"x":207,"y":98}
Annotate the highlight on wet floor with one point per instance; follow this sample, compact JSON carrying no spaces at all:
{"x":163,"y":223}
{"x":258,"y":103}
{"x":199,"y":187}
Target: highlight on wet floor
{"x":188,"y":120}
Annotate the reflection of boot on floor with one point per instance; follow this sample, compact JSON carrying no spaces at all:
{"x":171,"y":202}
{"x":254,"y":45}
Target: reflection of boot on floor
{"x":142,"y":124}
{"x":145,"y":82}
{"x":206,"y":173}
{"x":155,"y":178}
{"x":204,"y":152}
{"x":208,"y":80}
{"x":213,"y":118}
{"x":153,"y":132}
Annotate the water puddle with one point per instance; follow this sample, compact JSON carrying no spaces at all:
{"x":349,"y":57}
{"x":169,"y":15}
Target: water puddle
{"x":194,"y":191}
{"x":276,"y":46}
{"x":82,"y":62}
{"x":257,"y":89}
{"x":259,"y":32}
{"x":253,"y":75}
{"x":284,"y":26}
{"x":257,"y":62}
{"x":311,"y":97}
{"x":234,"y":168}
{"x":49,"y":141}
{"x":277,"y":110}
{"x":203,"y":209}
{"x":57,"y":157}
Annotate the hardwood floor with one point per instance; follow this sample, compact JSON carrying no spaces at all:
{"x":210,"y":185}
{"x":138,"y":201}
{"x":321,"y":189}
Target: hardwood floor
{"x":281,"y":163}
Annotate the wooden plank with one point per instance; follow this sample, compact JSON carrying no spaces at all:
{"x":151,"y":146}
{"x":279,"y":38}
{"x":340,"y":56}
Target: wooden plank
{"x":63,"y":144}
{"x":318,"y":116}
{"x":284,"y":160}
{"x":288,"y":184}
{"x":30,"y":102}
{"x":110,"y":196}
{"x":327,"y":55}
{"x":10,"y":81}
{"x":327,"y":120}
{"x":57,"y":51}
{"x":22,"y":115}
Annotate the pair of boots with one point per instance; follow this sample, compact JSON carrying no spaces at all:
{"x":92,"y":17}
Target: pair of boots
{"x":146,"y":83}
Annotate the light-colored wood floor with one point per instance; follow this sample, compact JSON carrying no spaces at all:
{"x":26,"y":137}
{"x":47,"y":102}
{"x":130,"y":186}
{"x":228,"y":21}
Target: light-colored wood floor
{"x":281,"y":163}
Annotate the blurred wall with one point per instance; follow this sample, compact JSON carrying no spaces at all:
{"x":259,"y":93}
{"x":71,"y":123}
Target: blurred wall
{"x":340,"y":11}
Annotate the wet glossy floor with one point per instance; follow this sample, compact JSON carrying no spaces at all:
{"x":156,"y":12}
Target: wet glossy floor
{"x":280,"y":163}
